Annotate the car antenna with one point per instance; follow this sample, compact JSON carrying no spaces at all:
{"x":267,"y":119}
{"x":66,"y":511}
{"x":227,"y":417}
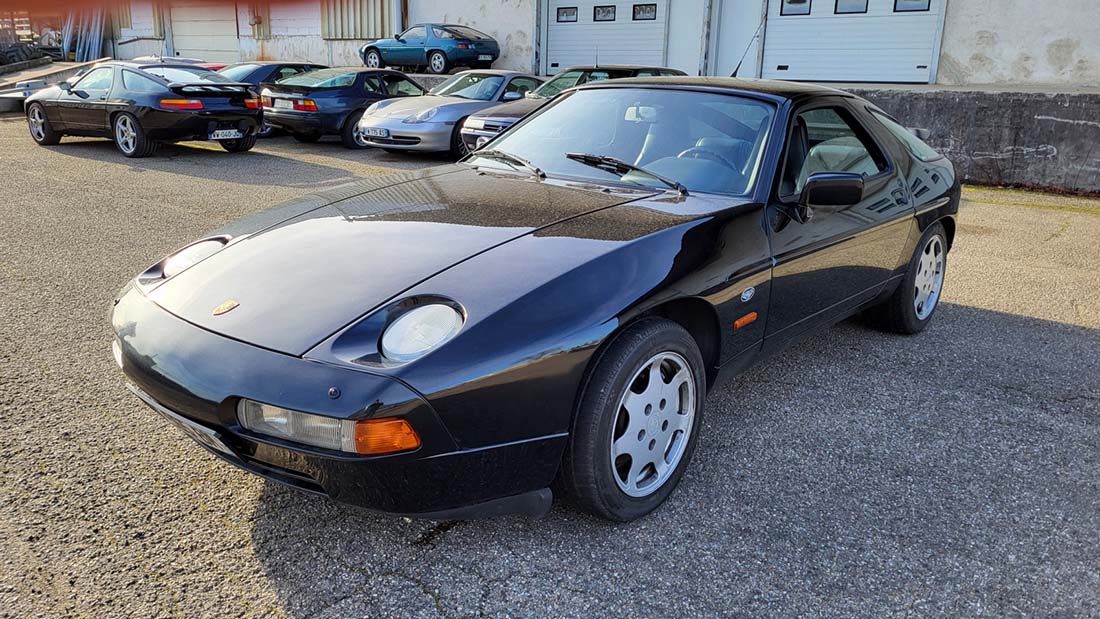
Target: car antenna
{"x":597,"y":65}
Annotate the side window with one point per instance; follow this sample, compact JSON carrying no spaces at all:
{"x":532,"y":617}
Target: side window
{"x":400,"y":87}
{"x":373,"y":84}
{"x":285,"y":72}
{"x":96,"y":79}
{"x":139,"y":83}
{"x":416,"y":33}
{"x":595,"y":76}
{"x":522,"y":85}
{"x":912,"y":143}
{"x":827,"y":140}
{"x":648,"y":73}
{"x":442,"y":34}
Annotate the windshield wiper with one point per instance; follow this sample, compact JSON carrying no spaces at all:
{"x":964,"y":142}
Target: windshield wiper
{"x":514,"y":160}
{"x":620,"y":167}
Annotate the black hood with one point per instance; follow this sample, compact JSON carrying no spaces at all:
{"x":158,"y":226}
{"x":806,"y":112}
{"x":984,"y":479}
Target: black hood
{"x":513,"y":110}
{"x":300,"y":280}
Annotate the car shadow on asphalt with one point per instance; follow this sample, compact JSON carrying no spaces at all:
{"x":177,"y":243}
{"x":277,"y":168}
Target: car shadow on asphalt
{"x":284,"y":165}
{"x":858,"y":473}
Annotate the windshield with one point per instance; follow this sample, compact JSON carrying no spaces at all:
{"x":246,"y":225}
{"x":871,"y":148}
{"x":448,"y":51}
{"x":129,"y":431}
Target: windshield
{"x":187,"y":74}
{"x":707,"y":142}
{"x":322,"y":78}
{"x":480,"y":86}
{"x":238,"y":72}
{"x":464,"y":32}
{"x":573,"y":78}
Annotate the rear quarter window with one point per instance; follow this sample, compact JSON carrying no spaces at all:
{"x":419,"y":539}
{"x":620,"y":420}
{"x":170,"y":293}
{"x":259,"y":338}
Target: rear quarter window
{"x":912,"y":143}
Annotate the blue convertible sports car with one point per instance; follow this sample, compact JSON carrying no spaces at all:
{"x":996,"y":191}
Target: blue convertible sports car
{"x":439,"y":47}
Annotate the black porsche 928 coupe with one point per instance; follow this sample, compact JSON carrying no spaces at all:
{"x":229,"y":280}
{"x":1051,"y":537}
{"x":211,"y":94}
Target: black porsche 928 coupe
{"x":550,"y":312}
{"x":141,"y":105}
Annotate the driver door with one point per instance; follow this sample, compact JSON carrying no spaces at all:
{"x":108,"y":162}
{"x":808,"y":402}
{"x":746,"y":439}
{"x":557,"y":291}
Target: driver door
{"x":409,"y":49}
{"x":843,"y":255}
{"x":84,"y":106}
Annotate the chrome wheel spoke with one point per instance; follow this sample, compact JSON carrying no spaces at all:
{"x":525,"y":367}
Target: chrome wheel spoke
{"x":928,"y":278}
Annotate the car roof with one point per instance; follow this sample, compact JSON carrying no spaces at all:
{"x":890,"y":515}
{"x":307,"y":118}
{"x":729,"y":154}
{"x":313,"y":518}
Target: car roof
{"x":271,"y":62}
{"x":775,"y":89}
{"x":498,"y":72}
{"x":618,"y":67}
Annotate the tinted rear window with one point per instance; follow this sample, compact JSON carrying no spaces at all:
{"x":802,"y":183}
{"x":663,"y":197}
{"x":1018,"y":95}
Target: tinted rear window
{"x":238,"y":72}
{"x":187,"y":75}
{"x":465,"y":33}
{"x":322,"y":78}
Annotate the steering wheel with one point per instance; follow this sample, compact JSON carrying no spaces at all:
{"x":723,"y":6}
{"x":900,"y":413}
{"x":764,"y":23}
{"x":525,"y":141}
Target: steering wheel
{"x":699,"y":152}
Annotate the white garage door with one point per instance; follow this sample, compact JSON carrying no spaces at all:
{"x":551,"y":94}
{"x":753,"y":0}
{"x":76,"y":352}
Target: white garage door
{"x":851,"y":40}
{"x":584,"y":32}
{"x":205,"y":30}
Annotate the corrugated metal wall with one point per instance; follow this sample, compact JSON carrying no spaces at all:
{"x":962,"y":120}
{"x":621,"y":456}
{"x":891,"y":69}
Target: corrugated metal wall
{"x":356,"y":19}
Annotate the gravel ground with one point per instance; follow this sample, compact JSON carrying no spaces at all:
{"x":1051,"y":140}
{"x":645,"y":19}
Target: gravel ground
{"x":859,"y":474}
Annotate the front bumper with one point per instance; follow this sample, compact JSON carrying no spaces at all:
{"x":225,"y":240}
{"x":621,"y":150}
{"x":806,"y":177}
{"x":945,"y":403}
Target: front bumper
{"x":476,"y":128}
{"x":427,"y":137}
{"x":194,"y":378}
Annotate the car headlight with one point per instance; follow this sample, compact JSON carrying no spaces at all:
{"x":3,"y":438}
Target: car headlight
{"x":369,"y":437}
{"x":423,"y":117}
{"x":419,"y":330}
{"x":474,"y":123}
{"x":191,"y":254}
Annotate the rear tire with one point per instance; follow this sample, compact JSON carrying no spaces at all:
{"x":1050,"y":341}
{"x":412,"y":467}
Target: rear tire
{"x":909,"y":310}
{"x":41,"y":130}
{"x":130,"y":137}
{"x":306,"y":138}
{"x":438,"y":63}
{"x":612,"y":467}
{"x":242,"y":145}
{"x":350,"y":135}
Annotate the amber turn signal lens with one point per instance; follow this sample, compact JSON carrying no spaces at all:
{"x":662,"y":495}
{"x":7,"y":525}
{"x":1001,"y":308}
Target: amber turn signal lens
{"x":744,"y":321}
{"x":375,"y":437}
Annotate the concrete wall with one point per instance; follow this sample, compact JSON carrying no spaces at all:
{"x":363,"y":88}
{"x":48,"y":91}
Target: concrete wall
{"x":510,"y":22}
{"x":1032,"y":43}
{"x":1007,"y":138}
{"x":296,"y":35}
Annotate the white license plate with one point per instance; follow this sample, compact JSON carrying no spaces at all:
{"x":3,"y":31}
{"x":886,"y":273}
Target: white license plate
{"x":376,"y":133}
{"x":484,"y":57}
{"x":283,"y":104}
{"x":226,"y":134}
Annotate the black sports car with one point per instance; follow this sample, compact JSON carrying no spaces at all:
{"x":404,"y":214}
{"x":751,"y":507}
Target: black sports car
{"x":141,"y":105}
{"x":451,"y":342}
{"x":331,"y":101}
{"x":485,"y":125}
{"x":257,"y":72}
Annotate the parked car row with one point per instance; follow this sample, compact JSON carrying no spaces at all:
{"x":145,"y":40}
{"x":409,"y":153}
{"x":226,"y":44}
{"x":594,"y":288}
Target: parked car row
{"x":139,"y":105}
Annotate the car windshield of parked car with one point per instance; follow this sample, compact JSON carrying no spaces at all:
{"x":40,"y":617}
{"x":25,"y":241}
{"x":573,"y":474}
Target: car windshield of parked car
{"x":707,"y":142}
{"x":186,"y":75}
{"x":460,"y":32}
{"x":322,"y":78}
{"x":238,"y":72}
{"x":480,"y":86}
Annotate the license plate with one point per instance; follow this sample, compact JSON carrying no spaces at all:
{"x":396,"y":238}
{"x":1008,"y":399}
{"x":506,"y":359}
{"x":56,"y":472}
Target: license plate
{"x":283,"y":104}
{"x":225,"y":134}
{"x":484,"y":57}
{"x":376,"y":133}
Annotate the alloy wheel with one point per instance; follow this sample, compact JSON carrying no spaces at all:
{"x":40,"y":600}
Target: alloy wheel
{"x":929,"y":277}
{"x":125,"y":134}
{"x":37,"y":123}
{"x":438,"y":62}
{"x":653,"y":424}
{"x":357,"y":135}
{"x":373,"y":61}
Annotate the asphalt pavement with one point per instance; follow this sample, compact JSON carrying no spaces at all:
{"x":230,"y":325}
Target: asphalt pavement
{"x":955,"y":473}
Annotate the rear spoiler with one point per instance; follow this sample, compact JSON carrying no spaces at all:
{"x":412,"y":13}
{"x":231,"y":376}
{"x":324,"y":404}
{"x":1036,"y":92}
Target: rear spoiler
{"x":300,"y":90}
{"x":211,"y":89}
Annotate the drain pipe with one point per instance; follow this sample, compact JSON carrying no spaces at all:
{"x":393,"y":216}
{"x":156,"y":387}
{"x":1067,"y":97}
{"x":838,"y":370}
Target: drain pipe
{"x":704,"y":49}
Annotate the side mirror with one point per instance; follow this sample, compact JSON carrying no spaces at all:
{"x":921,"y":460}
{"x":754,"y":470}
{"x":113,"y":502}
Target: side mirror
{"x":512,"y":96}
{"x":398,"y":38}
{"x":828,"y":189}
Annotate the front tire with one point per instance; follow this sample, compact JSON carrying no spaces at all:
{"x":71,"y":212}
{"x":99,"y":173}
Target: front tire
{"x":373,"y":59}
{"x":637,"y":422}
{"x":909,"y":310}
{"x":130,"y":137}
{"x":350,"y":135}
{"x":241,"y":145}
{"x":41,"y":130}
{"x":458,"y":146}
{"x":438,"y":63}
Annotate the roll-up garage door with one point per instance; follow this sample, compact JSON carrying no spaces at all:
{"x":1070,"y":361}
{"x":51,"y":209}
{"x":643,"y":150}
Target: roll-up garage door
{"x":851,"y":40}
{"x":206,"y":30}
{"x":587,"y":32}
